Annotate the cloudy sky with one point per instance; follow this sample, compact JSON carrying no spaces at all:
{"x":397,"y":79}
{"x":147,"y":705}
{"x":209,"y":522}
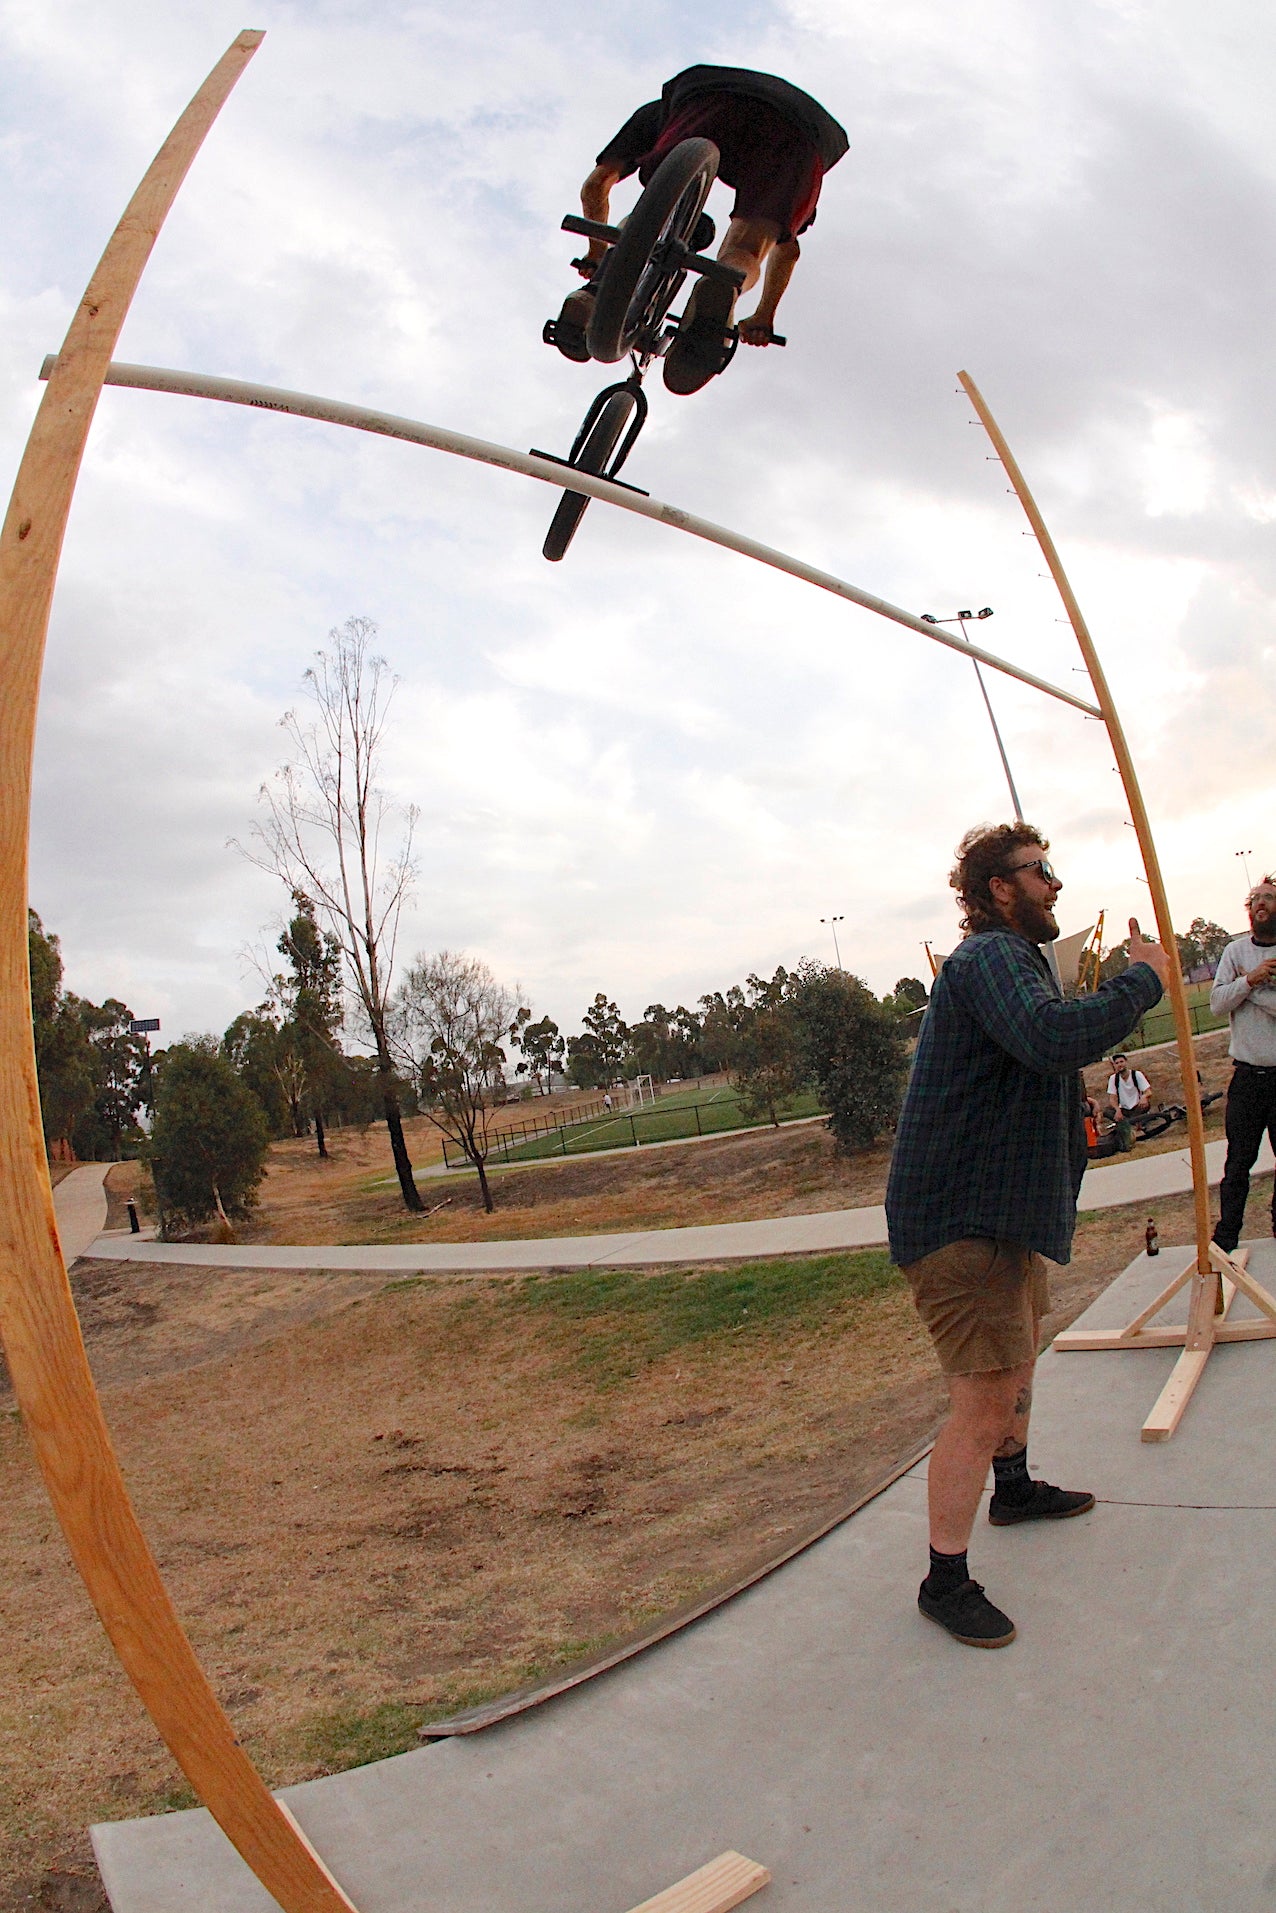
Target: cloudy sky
{"x":655,"y":767}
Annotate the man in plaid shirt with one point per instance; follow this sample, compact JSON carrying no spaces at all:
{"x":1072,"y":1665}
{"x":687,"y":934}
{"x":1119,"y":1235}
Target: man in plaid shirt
{"x":988,"y":1161}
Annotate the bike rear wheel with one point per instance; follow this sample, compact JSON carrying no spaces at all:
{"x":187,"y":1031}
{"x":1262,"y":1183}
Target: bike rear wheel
{"x":639,"y":282}
{"x":604,"y":436}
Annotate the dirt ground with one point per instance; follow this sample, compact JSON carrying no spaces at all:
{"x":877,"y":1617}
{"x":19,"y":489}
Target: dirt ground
{"x":376,"y":1502}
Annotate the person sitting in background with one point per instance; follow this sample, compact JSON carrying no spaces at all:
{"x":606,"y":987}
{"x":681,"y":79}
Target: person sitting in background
{"x":1129,"y":1093}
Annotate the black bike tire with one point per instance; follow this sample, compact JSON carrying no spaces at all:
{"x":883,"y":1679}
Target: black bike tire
{"x":610,"y":331}
{"x":604,"y":436}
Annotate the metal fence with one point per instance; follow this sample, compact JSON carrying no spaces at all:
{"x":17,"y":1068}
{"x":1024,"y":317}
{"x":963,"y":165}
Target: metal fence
{"x":1158,"y":1026}
{"x":504,"y":1143}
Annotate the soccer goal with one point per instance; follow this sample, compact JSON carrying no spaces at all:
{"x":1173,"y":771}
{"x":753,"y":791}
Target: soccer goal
{"x":641,"y":1090}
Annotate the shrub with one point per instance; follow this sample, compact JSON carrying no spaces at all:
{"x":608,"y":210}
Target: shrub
{"x":855,"y":1049}
{"x":209,"y":1139}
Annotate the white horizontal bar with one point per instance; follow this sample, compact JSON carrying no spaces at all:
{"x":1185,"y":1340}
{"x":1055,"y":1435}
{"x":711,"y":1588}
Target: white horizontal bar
{"x":269,"y":398}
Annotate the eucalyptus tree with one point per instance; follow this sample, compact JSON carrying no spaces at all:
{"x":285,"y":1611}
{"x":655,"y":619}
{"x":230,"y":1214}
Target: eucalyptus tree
{"x":329,"y":831}
{"x":453,"y":1020}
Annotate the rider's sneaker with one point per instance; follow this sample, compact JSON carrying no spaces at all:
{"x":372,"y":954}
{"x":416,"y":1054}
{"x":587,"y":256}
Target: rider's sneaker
{"x":968,"y":1615}
{"x":703,"y":344}
{"x":569,"y":328}
{"x":1043,"y":1504}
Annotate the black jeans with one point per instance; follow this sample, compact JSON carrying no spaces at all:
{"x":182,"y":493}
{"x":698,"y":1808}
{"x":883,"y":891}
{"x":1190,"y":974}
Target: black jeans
{"x":1251,"y":1109}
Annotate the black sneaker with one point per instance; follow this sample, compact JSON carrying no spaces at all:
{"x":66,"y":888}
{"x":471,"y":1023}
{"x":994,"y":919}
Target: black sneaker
{"x":568,"y":330}
{"x":1043,"y":1504}
{"x":968,"y":1614}
{"x":703,"y":344}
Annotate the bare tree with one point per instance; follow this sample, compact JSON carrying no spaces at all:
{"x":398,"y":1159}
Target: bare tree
{"x":322,"y":828}
{"x":452,"y":1019}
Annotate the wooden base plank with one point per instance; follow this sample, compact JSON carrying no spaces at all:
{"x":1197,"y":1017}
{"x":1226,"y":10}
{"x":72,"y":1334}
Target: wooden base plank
{"x":715,"y":1888}
{"x":1174,"y":1336}
{"x":1101,"y":1338}
{"x":1173,"y":1399}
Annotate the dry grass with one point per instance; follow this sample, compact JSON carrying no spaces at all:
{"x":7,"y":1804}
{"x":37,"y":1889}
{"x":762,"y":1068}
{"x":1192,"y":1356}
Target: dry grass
{"x":408,"y":1502}
{"x":374,"y":1501}
{"x":735,"y":1178}
{"x":797,"y":1170}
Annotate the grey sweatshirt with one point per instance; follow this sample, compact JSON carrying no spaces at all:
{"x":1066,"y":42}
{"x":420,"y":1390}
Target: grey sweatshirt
{"x":1252,"y":1011}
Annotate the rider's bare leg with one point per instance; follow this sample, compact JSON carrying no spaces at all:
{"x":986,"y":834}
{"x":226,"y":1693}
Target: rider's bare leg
{"x":747,"y":245}
{"x":578,"y":306}
{"x":759,"y":327}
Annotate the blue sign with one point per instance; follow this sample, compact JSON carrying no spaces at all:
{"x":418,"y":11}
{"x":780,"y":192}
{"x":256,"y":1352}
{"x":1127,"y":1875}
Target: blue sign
{"x":143,"y":1025}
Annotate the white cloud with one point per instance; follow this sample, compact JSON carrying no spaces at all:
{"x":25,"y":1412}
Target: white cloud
{"x":652,"y":768}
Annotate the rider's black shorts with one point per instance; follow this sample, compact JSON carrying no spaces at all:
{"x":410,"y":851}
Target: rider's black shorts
{"x":775,"y":170}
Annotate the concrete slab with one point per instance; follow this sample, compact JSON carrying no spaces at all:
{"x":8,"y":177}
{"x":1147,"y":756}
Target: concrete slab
{"x":708,"y":1242}
{"x":1116,"y":1756}
{"x":1142,"y":1178}
{"x":79,"y":1203}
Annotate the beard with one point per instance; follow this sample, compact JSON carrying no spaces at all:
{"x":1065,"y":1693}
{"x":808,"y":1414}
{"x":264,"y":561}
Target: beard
{"x":1036,"y":921}
{"x":1263,"y":930}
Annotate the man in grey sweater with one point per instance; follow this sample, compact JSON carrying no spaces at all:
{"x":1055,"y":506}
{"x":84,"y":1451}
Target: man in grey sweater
{"x":1245,"y":991}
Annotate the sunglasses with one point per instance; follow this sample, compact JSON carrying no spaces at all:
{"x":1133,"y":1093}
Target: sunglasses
{"x":1042,"y":864}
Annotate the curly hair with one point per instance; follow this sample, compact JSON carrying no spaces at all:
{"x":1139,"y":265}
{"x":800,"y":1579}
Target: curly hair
{"x":983,"y":854}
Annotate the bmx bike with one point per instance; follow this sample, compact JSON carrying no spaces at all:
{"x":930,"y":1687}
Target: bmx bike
{"x":648,"y":258}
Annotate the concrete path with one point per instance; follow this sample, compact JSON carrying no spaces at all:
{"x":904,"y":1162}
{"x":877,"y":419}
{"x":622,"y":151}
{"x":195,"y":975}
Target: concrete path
{"x":1118,"y":1755}
{"x":79,"y":1202}
{"x":1105,"y":1187}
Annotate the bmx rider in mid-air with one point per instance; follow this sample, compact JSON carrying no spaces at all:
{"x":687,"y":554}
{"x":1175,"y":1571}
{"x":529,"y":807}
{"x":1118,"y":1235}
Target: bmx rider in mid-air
{"x":776,"y":144}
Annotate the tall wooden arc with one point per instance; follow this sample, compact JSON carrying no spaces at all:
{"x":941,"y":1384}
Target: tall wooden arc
{"x":38,"y":1323}
{"x":1213,"y":1277}
{"x":39,"y":1328}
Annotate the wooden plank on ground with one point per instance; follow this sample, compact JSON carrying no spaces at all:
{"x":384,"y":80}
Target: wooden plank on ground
{"x":715,"y":1888}
{"x":1173,"y":1399}
{"x":1099,"y":1338}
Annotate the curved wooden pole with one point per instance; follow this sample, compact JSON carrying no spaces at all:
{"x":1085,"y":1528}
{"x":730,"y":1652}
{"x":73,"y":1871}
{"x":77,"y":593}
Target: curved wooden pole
{"x":38,"y":1323}
{"x":1205,"y":1287}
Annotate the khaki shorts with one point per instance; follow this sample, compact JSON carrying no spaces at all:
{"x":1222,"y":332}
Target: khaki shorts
{"x":982,"y":1302}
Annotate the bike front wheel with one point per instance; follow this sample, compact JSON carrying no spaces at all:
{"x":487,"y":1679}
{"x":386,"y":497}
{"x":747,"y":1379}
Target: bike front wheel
{"x":594,"y":455}
{"x":639,"y":281}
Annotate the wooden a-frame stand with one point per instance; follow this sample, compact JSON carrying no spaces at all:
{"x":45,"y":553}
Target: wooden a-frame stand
{"x":1215,"y":1277}
{"x":1207,"y":1324}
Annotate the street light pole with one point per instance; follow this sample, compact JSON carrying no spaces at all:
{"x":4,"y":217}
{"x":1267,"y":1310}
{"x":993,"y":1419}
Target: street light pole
{"x":1244,"y":856}
{"x":832,"y":923}
{"x":962,"y":618}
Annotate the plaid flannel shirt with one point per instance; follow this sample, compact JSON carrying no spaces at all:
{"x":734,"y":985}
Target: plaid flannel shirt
{"x":991,"y":1140}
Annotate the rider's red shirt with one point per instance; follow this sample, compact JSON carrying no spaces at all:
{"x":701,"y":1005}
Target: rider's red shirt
{"x":776,"y":142}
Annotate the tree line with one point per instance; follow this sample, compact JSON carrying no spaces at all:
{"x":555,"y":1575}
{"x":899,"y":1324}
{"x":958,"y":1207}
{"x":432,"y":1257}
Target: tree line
{"x":670,"y":1045}
{"x":1199,"y":947}
{"x":440,"y":1038}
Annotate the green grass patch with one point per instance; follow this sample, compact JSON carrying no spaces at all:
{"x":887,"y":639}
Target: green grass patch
{"x":674,"y":1118}
{"x":176,"y":1799}
{"x":619,"y":1321}
{"x":352,"y":1738}
{"x":1158,"y":1025}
